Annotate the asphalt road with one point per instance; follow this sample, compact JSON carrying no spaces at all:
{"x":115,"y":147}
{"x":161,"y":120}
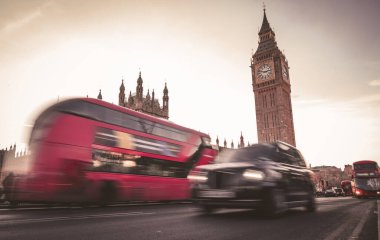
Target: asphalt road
{"x":336,"y":218}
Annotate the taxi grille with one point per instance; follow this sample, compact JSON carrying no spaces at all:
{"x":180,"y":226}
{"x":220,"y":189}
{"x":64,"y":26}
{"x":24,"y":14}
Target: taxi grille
{"x":224,"y":179}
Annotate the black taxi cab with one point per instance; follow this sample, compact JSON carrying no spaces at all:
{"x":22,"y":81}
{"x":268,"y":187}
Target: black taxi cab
{"x":269,"y":177}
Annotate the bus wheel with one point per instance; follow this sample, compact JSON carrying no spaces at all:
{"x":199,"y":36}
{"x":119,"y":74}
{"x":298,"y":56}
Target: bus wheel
{"x":108,"y":193}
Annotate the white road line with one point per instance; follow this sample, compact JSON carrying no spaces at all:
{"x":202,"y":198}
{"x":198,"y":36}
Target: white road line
{"x":346,"y":224}
{"x":335,"y":234}
{"x":359,"y":227}
{"x":38,"y":220}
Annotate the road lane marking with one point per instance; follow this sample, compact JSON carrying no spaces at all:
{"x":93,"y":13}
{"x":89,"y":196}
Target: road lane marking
{"x":359,"y":227}
{"x":346,"y":224}
{"x":38,"y":220}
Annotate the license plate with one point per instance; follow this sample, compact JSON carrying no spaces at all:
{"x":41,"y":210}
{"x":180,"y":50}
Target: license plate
{"x":216,"y":194}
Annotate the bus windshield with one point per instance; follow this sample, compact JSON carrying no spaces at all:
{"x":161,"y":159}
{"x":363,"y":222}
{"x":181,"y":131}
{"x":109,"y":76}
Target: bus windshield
{"x":367,"y":183}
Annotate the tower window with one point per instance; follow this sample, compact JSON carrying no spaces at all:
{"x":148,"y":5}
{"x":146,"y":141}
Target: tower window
{"x":275,"y":119}
{"x":265,"y":101}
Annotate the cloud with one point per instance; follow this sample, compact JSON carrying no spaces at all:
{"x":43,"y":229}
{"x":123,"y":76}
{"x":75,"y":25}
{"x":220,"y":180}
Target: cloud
{"x":21,"y":22}
{"x":375,"y":98}
{"x":374,"y":83}
{"x":23,"y":18}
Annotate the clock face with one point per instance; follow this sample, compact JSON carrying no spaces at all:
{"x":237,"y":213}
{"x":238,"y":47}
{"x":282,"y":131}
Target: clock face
{"x":264,"y":71}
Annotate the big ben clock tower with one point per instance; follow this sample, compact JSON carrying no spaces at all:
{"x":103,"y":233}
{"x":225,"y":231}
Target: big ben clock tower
{"x":271,"y":87}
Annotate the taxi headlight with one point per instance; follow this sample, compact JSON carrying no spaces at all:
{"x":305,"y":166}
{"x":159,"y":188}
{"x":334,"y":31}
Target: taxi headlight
{"x":197,"y":176}
{"x":253,"y":174}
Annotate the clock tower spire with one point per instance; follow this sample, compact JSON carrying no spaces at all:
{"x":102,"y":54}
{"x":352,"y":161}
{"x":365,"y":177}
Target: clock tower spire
{"x":271,"y":87}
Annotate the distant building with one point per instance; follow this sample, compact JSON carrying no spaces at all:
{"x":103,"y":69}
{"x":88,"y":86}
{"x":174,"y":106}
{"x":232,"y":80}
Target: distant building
{"x":271,"y":87}
{"x":241,"y":143}
{"x":12,"y":161}
{"x":327,"y":176}
{"x":347,"y":172}
{"x":148,"y":104}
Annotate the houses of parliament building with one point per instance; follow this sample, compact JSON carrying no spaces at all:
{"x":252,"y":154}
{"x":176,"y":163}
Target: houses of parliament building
{"x":148,"y":104}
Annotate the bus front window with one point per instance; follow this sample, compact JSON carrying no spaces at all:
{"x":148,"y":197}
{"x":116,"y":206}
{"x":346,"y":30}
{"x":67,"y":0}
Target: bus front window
{"x":368,"y":183}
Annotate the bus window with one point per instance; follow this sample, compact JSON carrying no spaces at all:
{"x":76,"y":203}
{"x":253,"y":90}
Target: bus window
{"x":367,"y":166}
{"x":104,"y":161}
{"x":114,"y":117}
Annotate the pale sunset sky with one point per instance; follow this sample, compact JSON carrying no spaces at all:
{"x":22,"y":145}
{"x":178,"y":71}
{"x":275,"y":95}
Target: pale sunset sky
{"x":56,"y":49}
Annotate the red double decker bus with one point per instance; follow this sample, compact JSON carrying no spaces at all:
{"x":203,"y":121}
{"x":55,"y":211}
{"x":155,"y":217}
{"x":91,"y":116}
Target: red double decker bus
{"x":87,"y":150}
{"x":365,"y":179}
{"x":346,"y":186}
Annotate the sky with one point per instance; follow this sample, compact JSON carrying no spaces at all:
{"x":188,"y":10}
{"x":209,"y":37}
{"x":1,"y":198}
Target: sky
{"x":56,"y":49}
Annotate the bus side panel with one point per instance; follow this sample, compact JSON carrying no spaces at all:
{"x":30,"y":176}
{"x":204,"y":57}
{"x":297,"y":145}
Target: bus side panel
{"x":139,"y":187}
{"x":161,"y":188}
{"x":72,"y":130}
{"x":58,"y":162}
{"x":59,"y":181}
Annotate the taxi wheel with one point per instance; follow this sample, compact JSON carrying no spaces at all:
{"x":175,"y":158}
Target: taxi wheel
{"x":275,"y":203}
{"x":14,"y":204}
{"x":310,"y":205}
{"x":206,"y":209}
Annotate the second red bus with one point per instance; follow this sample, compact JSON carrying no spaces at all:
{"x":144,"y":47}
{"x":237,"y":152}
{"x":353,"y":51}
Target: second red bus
{"x":365,"y":179}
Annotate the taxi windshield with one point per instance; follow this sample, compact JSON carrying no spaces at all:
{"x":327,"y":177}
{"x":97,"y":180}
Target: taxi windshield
{"x":249,"y":154}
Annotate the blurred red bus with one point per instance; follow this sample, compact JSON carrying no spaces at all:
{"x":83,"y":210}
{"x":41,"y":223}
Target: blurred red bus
{"x":365,"y":179}
{"x":87,"y":150}
{"x":346,"y":186}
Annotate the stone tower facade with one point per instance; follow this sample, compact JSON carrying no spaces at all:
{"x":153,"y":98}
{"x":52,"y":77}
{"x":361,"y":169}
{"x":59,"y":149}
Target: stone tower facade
{"x":271,"y":87}
{"x":148,"y":104}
